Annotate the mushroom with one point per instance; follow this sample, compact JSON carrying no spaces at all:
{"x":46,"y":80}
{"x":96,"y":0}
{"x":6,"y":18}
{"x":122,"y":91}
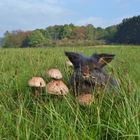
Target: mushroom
{"x":69,"y":64}
{"x":57,"y":87}
{"x":85,"y":99}
{"x":37,"y":83}
{"x":54,"y":73}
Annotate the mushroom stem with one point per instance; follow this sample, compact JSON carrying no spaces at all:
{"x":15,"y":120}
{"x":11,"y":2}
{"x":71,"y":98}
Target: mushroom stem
{"x":37,"y":91}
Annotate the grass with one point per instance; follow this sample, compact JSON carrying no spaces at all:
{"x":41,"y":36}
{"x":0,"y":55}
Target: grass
{"x":25,"y":117}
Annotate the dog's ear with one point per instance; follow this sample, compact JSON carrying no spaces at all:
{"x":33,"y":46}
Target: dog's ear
{"x":74,"y":58}
{"x":103,"y":59}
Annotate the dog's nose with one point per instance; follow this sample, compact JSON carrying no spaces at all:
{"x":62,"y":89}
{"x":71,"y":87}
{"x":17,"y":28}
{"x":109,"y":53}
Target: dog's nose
{"x":86,"y":75}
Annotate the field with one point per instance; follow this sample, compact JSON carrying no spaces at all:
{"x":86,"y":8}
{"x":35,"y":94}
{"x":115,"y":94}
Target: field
{"x":26,"y":117}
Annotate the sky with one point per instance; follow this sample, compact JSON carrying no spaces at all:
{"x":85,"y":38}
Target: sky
{"x":32,"y":14}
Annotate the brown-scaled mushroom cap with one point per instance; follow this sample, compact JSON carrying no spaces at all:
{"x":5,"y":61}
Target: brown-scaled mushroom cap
{"x":57,"y":87}
{"x":36,"y":82}
{"x":85,"y":99}
{"x":54,"y":73}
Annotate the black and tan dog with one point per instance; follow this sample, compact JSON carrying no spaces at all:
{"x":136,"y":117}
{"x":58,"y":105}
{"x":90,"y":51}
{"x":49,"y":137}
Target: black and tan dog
{"x":88,"y":72}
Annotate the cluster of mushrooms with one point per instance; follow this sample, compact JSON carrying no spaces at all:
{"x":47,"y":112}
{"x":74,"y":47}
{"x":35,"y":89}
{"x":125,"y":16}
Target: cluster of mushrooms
{"x":56,"y":86}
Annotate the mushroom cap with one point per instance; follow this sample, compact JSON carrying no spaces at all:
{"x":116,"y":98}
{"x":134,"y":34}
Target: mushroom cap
{"x":54,"y":73}
{"x":68,"y":63}
{"x":57,"y":87}
{"x":85,"y":99}
{"x":36,"y":82}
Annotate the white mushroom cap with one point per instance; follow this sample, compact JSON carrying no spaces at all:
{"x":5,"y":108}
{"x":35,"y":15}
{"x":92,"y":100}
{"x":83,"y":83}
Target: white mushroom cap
{"x":54,"y":73}
{"x":85,"y":99}
{"x":68,"y":63}
{"x":57,"y":88}
{"x":36,"y":82}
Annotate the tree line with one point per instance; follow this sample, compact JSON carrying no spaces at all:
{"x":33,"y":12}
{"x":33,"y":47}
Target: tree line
{"x":127,"y":32}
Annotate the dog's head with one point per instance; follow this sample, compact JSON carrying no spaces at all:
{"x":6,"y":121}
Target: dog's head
{"x":87,"y":65}
{"x":88,"y":71}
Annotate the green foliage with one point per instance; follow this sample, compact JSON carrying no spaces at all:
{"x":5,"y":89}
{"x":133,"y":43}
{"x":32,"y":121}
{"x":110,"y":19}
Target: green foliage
{"x":55,"y":36}
{"x":67,"y":31}
{"x":110,"y":33}
{"x":14,"y":39}
{"x":90,"y":32}
{"x":128,"y":31}
{"x":113,"y":116}
{"x":55,"y":32}
{"x":35,"y":39}
{"x":99,"y":33}
{"x":45,"y":33}
{"x":1,"y":41}
{"x":79,"y":33}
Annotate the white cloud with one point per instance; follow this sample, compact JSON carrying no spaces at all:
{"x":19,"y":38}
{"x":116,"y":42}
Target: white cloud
{"x":100,"y":22}
{"x":91,"y":20}
{"x":30,"y":14}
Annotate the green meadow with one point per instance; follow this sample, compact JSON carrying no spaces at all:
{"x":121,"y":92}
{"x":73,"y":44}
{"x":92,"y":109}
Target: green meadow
{"x":24,"y":116}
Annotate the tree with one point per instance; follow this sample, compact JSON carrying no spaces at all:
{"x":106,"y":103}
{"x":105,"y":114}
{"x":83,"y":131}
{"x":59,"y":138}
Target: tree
{"x":35,"y":39}
{"x":129,"y":31}
{"x":67,"y":31}
{"x":79,"y":33}
{"x":45,"y":33}
{"x":99,"y":33}
{"x":14,"y":38}
{"x":1,"y":41}
{"x":90,"y":32}
{"x":55,"y":32}
{"x":110,"y":33}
